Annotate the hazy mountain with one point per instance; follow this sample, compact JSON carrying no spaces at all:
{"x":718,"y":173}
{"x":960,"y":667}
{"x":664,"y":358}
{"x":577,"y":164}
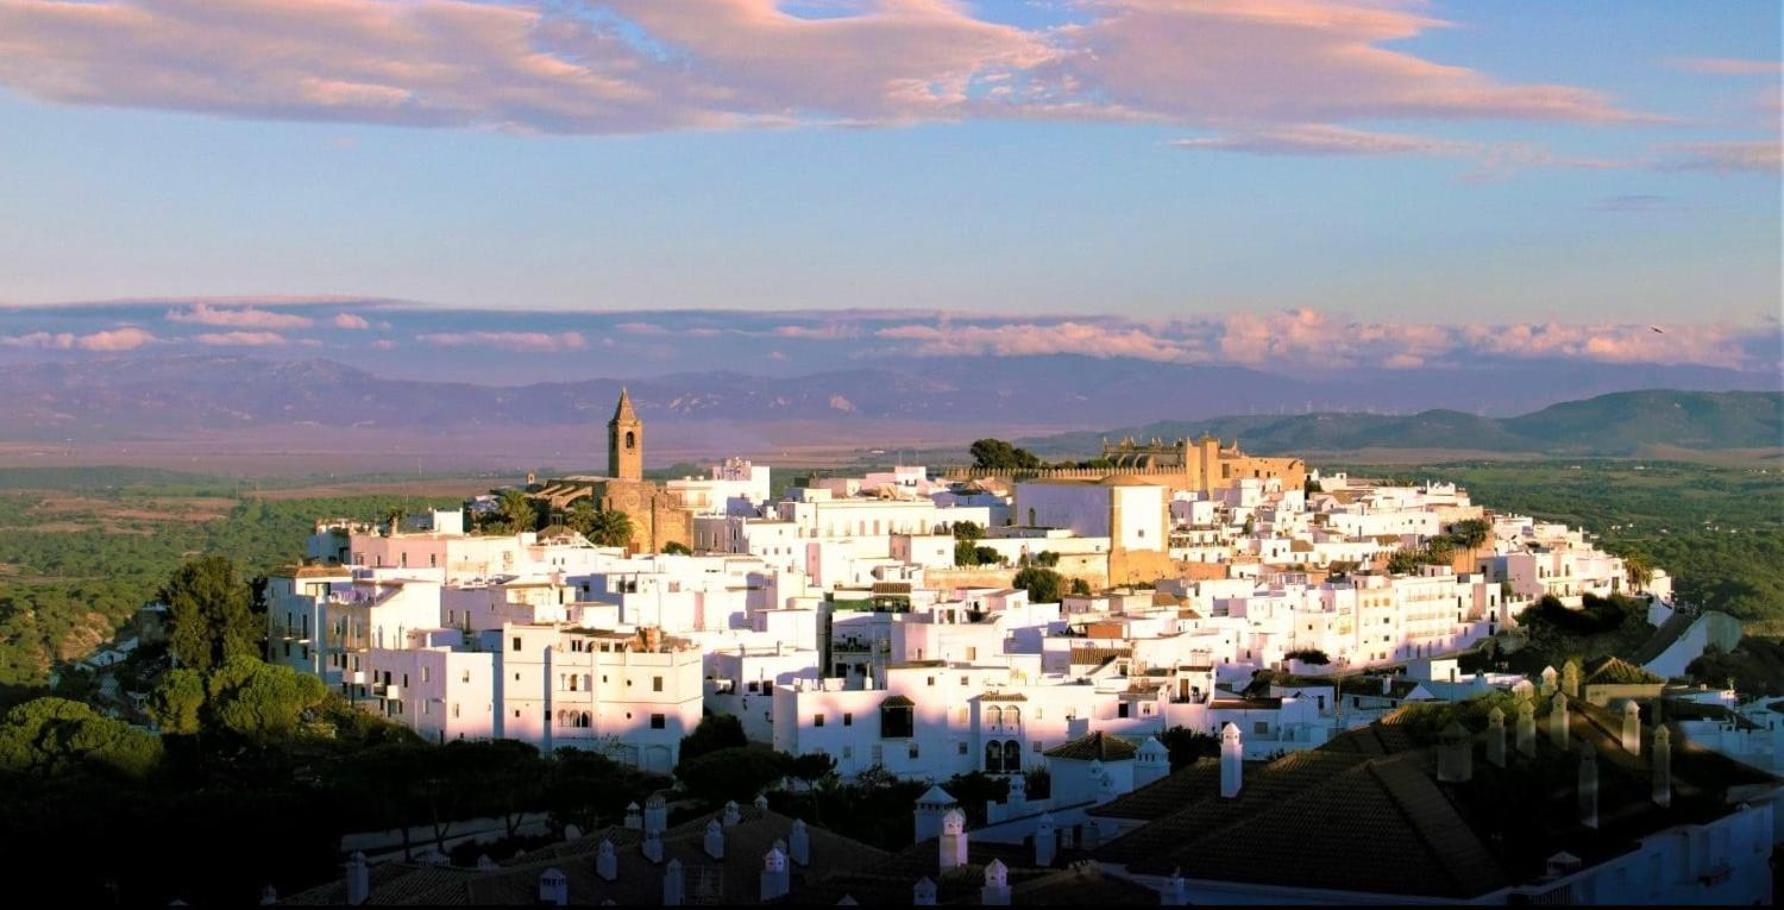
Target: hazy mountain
{"x":1616,"y":424}
{"x":168,"y":396}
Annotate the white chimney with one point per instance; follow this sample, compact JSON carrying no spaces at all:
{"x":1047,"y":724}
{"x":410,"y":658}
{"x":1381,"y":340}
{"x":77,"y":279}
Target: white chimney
{"x":733,"y":814}
{"x":996,"y":892}
{"x":359,"y":880}
{"x":1018,"y":794}
{"x":761,"y":803}
{"x":634,"y":817}
{"x":269,"y":896}
{"x":1588,"y":785}
{"x":1662,"y":762}
{"x":1232,"y":761}
{"x":1558,"y":729}
{"x":606,"y":862}
{"x":953,"y":840}
{"x":1548,"y":680}
{"x":1046,"y":841}
{"x":799,"y":843}
{"x":1151,"y":763}
{"x":715,"y":839}
{"x":1176,"y":890}
{"x":1527,"y":729}
{"x":932,"y":806}
{"x":777,"y":879}
{"x":554,"y":888}
{"x":572,"y":834}
{"x":656,"y":814}
{"x":1455,"y":754}
{"x":1496,"y":737}
{"x":652,"y":846}
{"x":923,"y":893}
{"x":1632,"y":727}
{"x":1570,"y":679}
{"x":673,"y":886}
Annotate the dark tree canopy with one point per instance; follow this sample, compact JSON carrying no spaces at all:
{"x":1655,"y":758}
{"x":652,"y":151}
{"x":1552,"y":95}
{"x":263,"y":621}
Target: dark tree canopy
{"x":1043,"y":585}
{"x":714,"y":732}
{"x":996,"y":454}
{"x":209,"y":620}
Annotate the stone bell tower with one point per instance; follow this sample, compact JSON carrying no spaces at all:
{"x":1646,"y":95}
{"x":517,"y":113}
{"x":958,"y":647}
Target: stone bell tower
{"x":625,"y":441}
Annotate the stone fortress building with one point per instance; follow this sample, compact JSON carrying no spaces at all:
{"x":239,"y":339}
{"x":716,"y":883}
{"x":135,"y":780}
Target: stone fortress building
{"x":658,"y":517}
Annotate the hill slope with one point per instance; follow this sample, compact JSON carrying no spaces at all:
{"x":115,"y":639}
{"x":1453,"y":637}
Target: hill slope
{"x":1618,"y":424}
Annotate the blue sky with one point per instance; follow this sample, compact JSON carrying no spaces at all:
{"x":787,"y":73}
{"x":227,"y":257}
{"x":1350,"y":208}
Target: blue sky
{"x":1618,"y":210}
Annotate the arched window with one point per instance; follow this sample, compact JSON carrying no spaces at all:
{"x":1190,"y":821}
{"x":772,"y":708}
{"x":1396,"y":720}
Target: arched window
{"x":1031,"y":521}
{"x":993,"y":715}
{"x":1012,"y":756}
{"x":993,"y":758}
{"x":1012,"y":715}
{"x":631,"y":439}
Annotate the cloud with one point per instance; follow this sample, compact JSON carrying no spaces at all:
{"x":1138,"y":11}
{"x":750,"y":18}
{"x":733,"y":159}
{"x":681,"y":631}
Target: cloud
{"x":1325,"y":139}
{"x":125,"y":338}
{"x":631,"y":66}
{"x":351,"y":321}
{"x":1725,"y":66}
{"x":507,"y":341}
{"x":242,"y":318}
{"x":1636,"y":202}
{"x":828,"y":331}
{"x":241,"y":339}
{"x":1031,"y":339}
{"x":640,"y":328}
{"x":1757,"y":157}
{"x":1312,"y":338}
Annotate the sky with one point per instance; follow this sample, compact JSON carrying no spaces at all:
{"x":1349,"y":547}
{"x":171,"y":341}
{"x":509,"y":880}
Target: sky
{"x":1295,"y":163}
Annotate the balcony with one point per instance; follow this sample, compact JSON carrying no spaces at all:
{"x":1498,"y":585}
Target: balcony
{"x":392,"y":691}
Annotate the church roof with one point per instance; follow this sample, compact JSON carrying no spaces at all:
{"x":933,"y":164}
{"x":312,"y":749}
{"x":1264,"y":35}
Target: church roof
{"x":624,"y":412}
{"x":1095,"y":747}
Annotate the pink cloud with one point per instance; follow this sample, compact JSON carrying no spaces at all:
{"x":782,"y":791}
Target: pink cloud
{"x":351,"y":321}
{"x":237,"y":318}
{"x":827,"y":331}
{"x":241,"y":339}
{"x":567,"y":67}
{"x":125,"y":338}
{"x":1325,"y":139}
{"x":640,"y":328}
{"x":1031,"y":339}
{"x":508,"y":341}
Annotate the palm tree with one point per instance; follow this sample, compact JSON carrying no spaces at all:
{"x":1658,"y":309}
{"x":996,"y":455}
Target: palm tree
{"x":610,"y":529}
{"x":517,"y":508}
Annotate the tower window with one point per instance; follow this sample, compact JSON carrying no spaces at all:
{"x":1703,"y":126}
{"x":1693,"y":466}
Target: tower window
{"x":631,"y":439}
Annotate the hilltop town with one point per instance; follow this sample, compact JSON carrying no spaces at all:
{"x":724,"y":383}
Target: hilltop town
{"x":1195,"y":653}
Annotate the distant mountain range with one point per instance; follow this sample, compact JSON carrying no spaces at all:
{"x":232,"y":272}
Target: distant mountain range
{"x":1619,"y":424}
{"x":172,"y":397}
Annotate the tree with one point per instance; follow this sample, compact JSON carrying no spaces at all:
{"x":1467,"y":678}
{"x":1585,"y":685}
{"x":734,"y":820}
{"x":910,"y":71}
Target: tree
{"x":1313,"y":656}
{"x":1438,"y":551}
{"x":1046,"y":558}
{"x":996,"y":454}
{"x":1638,"y":569}
{"x":1186,"y":746}
{"x":1080,"y":587}
{"x":47,"y":736}
{"x":811,"y":768}
{"x":610,"y":528}
{"x":714,"y":732}
{"x":258,"y":700}
{"x":1470,"y":533}
{"x":677,"y":548}
{"x":1043,"y":585}
{"x":518,"y":510}
{"x":968,"y":530}
{"x":209,"y":618}
{"x":176,"y":701}
{"x":737,"y":773}
{"x":1403,"y":562}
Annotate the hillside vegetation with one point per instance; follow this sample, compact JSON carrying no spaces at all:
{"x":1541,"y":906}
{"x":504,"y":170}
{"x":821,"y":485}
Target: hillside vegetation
{"x":1621,"y":424}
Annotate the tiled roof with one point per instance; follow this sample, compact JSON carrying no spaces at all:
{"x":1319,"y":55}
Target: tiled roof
{"x":1095,"y":747}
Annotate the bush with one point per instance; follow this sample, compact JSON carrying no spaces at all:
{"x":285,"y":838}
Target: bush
{"x":1043,"y":585}
{"x":1312,"y":656}
{"x":714,"y":732}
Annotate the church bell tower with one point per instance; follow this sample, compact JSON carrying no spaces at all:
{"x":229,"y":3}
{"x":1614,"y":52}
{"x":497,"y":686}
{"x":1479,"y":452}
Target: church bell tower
{"x":625,"y":441}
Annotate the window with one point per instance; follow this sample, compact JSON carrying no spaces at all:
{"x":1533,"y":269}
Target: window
{"x":848,"y":718}
{"x":516,"y":643}
{"x":1261,"y":728}
{"x":1121,"y":709}
{"x":659,"y":721}
{"x":897,"y":720}
{"x":960,"y":748}
{"x":656,"y":683}
{"x":817,"y":720}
